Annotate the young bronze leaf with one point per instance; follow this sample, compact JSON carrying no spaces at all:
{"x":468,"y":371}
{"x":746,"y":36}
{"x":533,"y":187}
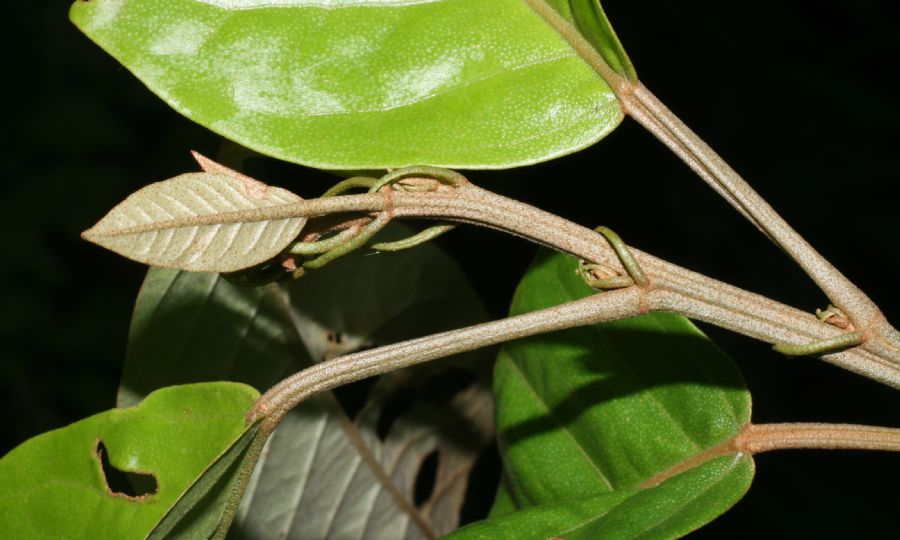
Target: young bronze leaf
{"x":205,"y":222}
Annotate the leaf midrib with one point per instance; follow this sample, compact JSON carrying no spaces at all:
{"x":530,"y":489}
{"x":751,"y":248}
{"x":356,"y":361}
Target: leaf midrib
{"x":582,"y":47}
{"x":562,"y":426}
{"x":352,"y":434}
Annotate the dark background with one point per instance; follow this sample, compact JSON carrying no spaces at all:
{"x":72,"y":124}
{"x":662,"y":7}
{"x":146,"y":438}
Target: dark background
{"x":800,"y":97}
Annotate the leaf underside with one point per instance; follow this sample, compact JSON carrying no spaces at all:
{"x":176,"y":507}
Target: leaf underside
{"x":350,"y":84}
{"x":324,"y":473}
{"x":204,"y":222}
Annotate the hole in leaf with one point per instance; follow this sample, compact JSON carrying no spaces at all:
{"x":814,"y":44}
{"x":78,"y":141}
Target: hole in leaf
{"x":395,"y":407}
{"x":425,"y":479}
{"x":352,"y":397}
{"x":133,"y":485}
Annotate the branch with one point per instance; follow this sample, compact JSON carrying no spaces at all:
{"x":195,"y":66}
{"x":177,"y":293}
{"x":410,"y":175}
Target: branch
{"x":757,"y":438}
{"x":691,"y":294}
{"x":639,"y":103}
{"x":644,"y":107}
{"x":272,"y":406}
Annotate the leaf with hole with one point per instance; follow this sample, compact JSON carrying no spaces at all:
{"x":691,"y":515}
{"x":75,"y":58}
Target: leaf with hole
{"x":205,"y":222}
{"x":117,"y":473}
{"x":603,"y":408}
{"x":350,"y":84}
{"x":338,"y":466}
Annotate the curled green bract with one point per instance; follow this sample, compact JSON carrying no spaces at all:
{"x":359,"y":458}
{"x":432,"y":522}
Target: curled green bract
{"x":444,"y":176}
{"x":822,"y":346}
{"x":417,"y":239}
{"x":636,"y":275}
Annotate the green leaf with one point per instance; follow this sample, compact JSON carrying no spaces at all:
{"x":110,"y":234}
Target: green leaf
{"x":194,"y":326}
{"x":206,"y":222}
{"x":590,"y":19}
{"x":672,"y":509}
{"x":608,"y":407}
{"x":351,"y":84}
{"x":64,"y":483}
{"x":503,"y":501}
{"x":201,"y":508}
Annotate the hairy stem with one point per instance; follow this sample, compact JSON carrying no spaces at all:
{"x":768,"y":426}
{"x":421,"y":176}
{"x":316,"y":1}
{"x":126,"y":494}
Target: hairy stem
{"x":644,"y":107}
{"x":281,"y":398}
{"x":639,"y":103}
{"x":691,"y":294}
{"x":757,"y":438}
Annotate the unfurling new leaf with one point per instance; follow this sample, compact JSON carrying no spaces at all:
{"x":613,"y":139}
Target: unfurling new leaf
{"x":204,"y":222}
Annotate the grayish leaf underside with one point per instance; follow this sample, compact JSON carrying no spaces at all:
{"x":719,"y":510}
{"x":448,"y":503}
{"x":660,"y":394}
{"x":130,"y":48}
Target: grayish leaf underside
{"x":154,"y":225}
{"x":317,"y":486}
{"x":325,"y":476}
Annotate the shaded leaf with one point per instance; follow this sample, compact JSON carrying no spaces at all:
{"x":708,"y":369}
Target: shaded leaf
{"x":324,"y":473}
{"x":590,"y":19}
{"x":68,"y":483}
{"x":201,"y":508}
{"x":351,"y":84}
{"x":672,"y":509}
{"x":608,"y":407}
{"x":206,"y":222}
{"x":503,"y":501}
{"x":326,"y":476}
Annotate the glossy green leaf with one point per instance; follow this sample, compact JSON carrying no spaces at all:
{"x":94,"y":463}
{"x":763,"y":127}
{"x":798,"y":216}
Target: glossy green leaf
{"x":598,"y":409}
{"x":590,"y":19}
{"x":351,"y":84}
{"x":193,"y":326}
{"x":56,"y":485}
{"x":672,"y":509}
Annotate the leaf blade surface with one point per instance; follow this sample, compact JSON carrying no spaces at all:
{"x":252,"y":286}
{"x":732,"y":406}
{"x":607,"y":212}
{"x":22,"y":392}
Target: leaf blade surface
{"x":364,"y":85}
{"x":605,"y":409}
{"x":323,"y":473}
{"x":202,"y":222}
{"x":672,"y":509}
{"x":54,"y":485}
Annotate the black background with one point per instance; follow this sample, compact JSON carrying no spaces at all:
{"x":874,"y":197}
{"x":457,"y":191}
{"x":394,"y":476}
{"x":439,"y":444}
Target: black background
{"x":800,"y":97}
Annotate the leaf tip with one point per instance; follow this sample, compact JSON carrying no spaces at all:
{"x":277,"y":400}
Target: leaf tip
{"x":90,"y":235}
{"x":206,"y":164}
{"x":254,"y":188}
